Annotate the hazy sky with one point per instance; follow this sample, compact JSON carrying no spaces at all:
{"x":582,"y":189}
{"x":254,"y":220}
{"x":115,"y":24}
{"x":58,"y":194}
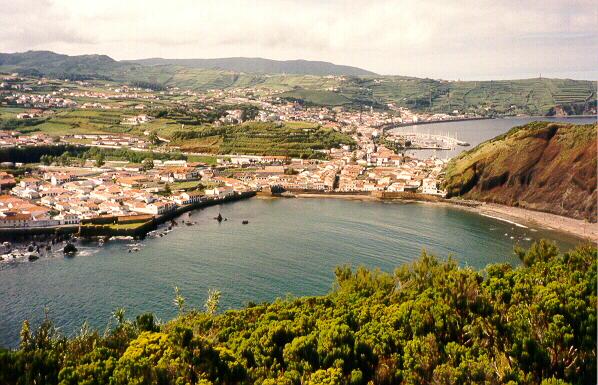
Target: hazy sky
{"x":451,"y":39}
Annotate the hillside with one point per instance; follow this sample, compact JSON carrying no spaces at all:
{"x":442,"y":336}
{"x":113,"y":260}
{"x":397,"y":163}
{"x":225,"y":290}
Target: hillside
{"x":295,"y":139}
{"x":309,"y":82}
{"x":52,"y":64}
{"x":430,"y":322}
{"x":541,"y":166}
{"x":260,"y":65}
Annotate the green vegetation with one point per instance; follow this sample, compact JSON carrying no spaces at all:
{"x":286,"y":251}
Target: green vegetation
{"x":186,"y":186}
{"x":33,"y":154}
{"x":78,"y":155}
{"x":317,"y":97}
{"x":542,"y":166}
{"x":538,"y":96}
{"x":209,"y":160}
{"x":297,"y":140}
{"x":430,"y":322}
{"x":485,"y":98}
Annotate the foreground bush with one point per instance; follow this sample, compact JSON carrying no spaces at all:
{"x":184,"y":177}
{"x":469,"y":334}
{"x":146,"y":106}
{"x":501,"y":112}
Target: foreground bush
{"x":431,"y":322}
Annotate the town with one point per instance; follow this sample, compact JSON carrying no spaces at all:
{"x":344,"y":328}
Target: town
{"x":51,"y":193}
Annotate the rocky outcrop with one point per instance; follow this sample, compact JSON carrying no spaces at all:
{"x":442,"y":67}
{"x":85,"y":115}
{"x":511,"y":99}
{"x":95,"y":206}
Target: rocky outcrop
{"x":540,"y":166}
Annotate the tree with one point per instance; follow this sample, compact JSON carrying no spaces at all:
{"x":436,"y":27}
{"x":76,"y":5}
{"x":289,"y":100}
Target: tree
{"x":154,"y":139}
{"x":148,"y":164}
{"x":46,"y":160}
{"x":100,"y":159}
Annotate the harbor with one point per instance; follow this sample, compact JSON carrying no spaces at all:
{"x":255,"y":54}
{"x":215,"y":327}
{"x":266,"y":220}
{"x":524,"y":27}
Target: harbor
{"x":426,"y":141}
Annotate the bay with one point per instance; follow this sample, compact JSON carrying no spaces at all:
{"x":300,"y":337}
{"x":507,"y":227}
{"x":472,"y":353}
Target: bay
{"x":290,"y":246}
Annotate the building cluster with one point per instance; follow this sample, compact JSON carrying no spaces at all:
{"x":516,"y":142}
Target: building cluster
{"x":113,"y":93}
{"x":53,"y":197}
{"x":383,"y":171}
{"x":15,"y":139}
{"x":136,"y":120}
{"x":110,"y":141}
{"x":28,"y":100}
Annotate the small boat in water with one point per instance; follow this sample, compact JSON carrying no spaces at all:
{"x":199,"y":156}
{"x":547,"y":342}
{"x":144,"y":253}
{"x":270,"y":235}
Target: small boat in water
{"x":219,"y":217}
{"x":69,"y":249}
{"x":245,"y":222}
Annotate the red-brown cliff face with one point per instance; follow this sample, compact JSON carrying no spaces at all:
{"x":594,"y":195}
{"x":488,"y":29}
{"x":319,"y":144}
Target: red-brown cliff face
{"x":541,"y":166}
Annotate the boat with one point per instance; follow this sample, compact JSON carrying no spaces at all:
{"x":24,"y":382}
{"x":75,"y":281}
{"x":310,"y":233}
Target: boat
{"x":69,"y":249}
{"x":219,"y":217}
{"x":245,"y":222}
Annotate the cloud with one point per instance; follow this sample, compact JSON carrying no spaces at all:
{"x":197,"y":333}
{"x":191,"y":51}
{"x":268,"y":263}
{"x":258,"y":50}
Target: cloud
{"x":449,"y":39}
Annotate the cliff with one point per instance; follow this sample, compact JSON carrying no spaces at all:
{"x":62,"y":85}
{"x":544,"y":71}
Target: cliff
{"x":540,"y":166}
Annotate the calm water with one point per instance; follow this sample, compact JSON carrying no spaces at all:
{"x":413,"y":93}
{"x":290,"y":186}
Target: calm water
{"x":475,"y":132}
{"x":290,"y":246}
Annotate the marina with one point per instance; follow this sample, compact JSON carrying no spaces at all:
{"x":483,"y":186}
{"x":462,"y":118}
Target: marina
{"x":427,"y":141}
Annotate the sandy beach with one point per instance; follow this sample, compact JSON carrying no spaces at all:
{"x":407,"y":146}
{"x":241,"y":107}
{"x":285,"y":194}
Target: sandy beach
{"x":515,"y":215}
{"x":577,"y":227}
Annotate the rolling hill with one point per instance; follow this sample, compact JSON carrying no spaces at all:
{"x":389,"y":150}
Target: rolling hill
{"x":320,"y":83}
{"x":541,"y":166}
{"x":53,"y":64}
{"x":260,"y":65}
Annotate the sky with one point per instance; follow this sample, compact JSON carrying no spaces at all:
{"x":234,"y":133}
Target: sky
{"x":449,"y":39}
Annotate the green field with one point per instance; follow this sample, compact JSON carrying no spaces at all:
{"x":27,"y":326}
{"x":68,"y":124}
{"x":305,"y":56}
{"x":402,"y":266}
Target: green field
{"x":505,"y":97}
{"x":539,"y":96}
{"x":295,"y":139}
{"x":317,"y":97}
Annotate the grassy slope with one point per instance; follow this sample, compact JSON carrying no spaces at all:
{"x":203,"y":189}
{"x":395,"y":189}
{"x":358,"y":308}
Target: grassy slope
{"x":529,"y":96}
{"x":317,"y":97}
{"x":543,"y":166}
{"x":291,"y":139}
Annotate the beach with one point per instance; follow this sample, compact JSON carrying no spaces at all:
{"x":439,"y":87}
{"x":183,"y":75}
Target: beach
{"x":577,"y":227}
{"x":515,"y":215}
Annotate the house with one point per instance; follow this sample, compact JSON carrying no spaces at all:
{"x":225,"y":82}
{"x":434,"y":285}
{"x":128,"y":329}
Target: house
{"x":67,"y":219}
{"x":220,"y":192}
{"x":60,"y":178}
{"x":155,"y":208}
{"x":187,"y":198}
{"x":30,"y":182}
{"x":26,"y":193}
{"x":15,"y":219}
{"x":276,"y":159}
{"x":7,"y":181}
